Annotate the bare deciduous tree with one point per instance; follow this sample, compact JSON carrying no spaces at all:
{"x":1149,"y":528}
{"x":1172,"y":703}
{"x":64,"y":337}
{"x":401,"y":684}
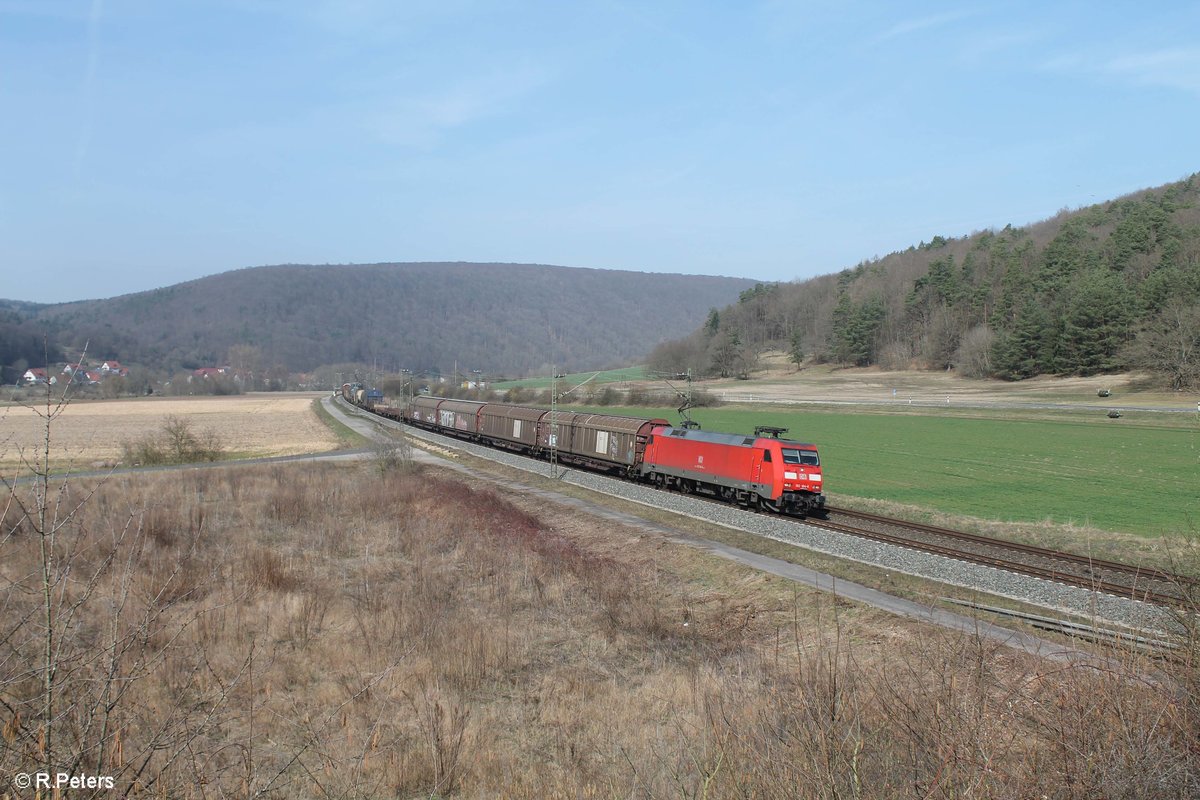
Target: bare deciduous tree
{"x":974,"y":356}
{"x":1170,"y":346}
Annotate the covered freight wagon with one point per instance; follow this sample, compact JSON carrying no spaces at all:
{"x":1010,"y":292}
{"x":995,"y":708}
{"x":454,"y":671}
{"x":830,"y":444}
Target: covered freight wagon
{"x":459,"y":415}
{"x":511,"y":426}
{"x":598,"y":438}
{"x":423,"y":410}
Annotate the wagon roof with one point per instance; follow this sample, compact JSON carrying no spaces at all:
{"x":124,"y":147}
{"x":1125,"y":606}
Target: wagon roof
{"x":514,"y":412}
{"x":606,"y":422}
{"x":469,"y":406}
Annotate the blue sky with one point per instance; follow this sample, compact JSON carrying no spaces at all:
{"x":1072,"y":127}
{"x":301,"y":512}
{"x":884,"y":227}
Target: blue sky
{"x":149,"y":142}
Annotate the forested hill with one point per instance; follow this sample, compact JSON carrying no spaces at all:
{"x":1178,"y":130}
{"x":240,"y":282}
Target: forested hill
{"x":1105,"y":288}
{"x":508,"y":318}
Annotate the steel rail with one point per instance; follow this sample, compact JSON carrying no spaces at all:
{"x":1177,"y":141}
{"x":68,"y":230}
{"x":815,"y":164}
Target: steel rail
{"x":1077,"y":570}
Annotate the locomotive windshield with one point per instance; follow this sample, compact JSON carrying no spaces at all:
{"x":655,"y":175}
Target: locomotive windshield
{"x":805,"y":457}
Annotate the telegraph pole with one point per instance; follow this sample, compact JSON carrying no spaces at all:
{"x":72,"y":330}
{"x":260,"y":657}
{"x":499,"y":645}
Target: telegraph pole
{"x":554,"y":422}
{"x":408,"y":386}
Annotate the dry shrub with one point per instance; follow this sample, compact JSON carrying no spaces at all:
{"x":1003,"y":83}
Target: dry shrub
{"x":176,"y":442}
{"x":444,"y":725}
{"x":392,"y":455}
{"x":162,"y":525}
{"x":288,"y":502}
{"x":266,"y":570}
{"x":306,"y":620}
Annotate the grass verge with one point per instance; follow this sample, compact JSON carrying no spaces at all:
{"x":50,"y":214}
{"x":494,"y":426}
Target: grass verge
{"x":347,"y":439}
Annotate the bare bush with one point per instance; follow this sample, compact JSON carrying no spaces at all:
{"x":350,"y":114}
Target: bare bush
{"x":176,"y":442}
{"x":703,"y":398}
{"x":393,"y":453}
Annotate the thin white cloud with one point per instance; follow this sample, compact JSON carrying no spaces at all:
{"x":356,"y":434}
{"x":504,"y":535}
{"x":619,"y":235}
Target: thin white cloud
{"x":1176,"y":68}
{"x":421,"y":119}
{"x":994,"y":43}
{"x":918,"y":24}
{"x":1169,"y":67}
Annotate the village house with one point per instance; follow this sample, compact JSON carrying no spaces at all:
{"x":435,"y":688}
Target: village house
{"x":38,"y":375}
{"x":99,"y":373}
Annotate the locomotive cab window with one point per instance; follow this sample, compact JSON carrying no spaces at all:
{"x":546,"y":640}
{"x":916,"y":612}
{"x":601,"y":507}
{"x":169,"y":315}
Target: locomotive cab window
{"x":806,"y":457}
{"x":767,"y":456}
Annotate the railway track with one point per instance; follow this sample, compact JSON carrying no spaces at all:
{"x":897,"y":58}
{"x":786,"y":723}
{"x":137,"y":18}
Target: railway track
{"x":1111,"y":577}
{"x":1124,"y":581}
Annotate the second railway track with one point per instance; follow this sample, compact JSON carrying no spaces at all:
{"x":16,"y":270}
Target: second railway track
{"x":1111,"y":577}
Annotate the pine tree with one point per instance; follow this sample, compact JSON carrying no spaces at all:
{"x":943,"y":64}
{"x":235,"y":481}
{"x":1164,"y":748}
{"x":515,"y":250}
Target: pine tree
{"x":713,"y":324}
{"x":1095,"y":325}
{"x":796,"y":349}
{"x":1024,"y":350}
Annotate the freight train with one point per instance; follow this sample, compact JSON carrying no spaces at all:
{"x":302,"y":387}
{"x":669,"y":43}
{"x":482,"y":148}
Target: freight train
{"x":760,"y":471}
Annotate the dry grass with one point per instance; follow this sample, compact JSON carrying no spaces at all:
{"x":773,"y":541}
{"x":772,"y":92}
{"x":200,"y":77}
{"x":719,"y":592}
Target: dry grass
{"x":778,"y":380}
{"x":322,"y":631}
{"x":92,"y":432}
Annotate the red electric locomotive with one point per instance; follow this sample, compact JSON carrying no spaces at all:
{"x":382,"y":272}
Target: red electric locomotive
{"x":761,"y":471}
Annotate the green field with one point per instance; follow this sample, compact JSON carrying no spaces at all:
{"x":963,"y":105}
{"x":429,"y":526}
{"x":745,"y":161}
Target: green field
{"x":1139,"y":474}
{"x":576,"y":378}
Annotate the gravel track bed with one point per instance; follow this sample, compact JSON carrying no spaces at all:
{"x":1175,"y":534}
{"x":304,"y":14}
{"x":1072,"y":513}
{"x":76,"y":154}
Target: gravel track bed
{"x":1119,"y":582}
{"x":1023,"y":588}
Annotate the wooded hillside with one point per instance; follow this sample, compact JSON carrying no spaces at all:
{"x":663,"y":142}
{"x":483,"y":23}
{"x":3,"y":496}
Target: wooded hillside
{"x":1105,"y":288}
{"x":499,"y":318}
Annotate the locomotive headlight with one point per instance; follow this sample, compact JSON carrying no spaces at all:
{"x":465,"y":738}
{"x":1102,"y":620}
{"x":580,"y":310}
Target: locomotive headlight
{"x":816,"y":478}
{"x":791,"y":476}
